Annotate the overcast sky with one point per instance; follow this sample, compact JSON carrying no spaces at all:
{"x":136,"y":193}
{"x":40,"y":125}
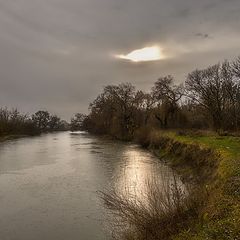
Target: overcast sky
{"x":58,"y":54}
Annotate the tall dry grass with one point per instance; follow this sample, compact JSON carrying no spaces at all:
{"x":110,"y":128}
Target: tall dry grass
{"x":161,"y":212}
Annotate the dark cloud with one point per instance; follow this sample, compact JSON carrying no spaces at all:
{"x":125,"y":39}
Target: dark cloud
{"x":58,"y":54}
{"x":202,"y":35}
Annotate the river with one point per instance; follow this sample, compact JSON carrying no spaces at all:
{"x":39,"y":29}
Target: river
{"x":49,"y":184}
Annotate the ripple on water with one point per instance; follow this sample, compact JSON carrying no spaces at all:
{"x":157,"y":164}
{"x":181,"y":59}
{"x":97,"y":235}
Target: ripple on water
{"x":49,"y":184}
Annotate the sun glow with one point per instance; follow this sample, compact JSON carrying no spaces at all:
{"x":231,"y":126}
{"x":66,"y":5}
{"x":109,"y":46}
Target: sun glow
{"x":153,"y":53}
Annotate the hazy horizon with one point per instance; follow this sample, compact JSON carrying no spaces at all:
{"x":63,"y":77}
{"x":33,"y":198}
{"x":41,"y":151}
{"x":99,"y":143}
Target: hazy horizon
{"x":57,"y":55}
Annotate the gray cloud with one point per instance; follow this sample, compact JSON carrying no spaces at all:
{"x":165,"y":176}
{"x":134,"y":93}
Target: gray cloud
{"x":202,"y":35}
{"x":57,"y":54}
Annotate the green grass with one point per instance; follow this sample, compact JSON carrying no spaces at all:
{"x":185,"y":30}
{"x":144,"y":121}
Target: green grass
{"x":228,"y":147}
{"x":221,"y":214}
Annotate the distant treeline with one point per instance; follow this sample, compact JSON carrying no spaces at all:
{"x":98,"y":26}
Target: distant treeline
{"x":209,"y":98}
{"x":12,"y":122}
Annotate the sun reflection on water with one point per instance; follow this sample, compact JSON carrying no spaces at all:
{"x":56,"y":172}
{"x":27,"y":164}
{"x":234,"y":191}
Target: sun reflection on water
{"x":139,"y":169}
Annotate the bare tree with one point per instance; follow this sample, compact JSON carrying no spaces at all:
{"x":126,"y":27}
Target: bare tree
{"x":113,"y":111}
{"x":216,"y":90}
{"x":55,"y":123}
{"x":148,"y":102}
{"x":77,"y":122}
{"x":167,"y":95}
{"x":236,"y":67}
{"x":14,"y":122}
{"x":41,"y":119}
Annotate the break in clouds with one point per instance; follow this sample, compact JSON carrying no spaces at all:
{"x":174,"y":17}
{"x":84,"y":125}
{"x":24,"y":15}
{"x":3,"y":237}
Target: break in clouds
{"x":57,"y":54}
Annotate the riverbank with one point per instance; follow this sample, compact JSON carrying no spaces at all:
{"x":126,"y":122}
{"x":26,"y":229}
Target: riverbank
{"x":214,"y":163}
{"x":211,"y":163}
{"x":17,"y":136}
{"x":12,"y":137}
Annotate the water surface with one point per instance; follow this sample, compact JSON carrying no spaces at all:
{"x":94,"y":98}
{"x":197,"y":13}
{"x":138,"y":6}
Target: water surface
{"x":49,"y":184}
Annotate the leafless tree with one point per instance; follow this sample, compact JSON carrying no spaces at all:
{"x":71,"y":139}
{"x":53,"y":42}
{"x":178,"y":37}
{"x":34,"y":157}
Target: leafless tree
{"x":168,"y":96}
{"x":216,"y":90}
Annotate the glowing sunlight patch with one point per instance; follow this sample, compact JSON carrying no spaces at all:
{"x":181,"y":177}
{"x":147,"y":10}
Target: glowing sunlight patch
{"x":144,"y":54}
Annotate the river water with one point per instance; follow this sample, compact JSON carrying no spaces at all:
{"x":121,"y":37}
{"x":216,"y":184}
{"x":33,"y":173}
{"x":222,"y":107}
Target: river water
{"x":49,"y":184}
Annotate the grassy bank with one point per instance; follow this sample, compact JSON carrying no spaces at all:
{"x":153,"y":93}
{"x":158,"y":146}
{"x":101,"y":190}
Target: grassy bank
{"x":217,"y":161}
{"x":212,"y":164}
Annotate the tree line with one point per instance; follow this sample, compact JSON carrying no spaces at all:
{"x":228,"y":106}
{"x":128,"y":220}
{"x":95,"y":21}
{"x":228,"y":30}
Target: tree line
{"x":208,"y":99}
{"x":13,"y":122}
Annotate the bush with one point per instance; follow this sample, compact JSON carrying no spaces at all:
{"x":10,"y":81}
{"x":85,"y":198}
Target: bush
{"x":161,"y":212}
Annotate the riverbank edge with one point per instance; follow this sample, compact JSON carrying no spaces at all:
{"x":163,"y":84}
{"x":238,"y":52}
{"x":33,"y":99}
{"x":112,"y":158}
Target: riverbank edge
{"x":12,"y":137}
{"x":17,"y":136}
{"x":215,"y":171}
